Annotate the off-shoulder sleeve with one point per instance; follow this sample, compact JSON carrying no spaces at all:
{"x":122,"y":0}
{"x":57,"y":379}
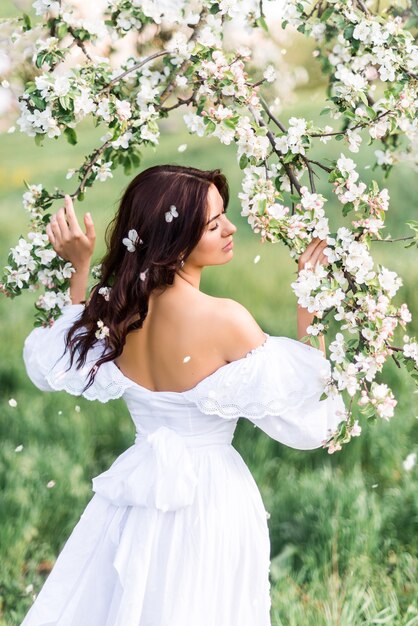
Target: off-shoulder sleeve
{"x":278,"y":387}
{"x":47,"y":362}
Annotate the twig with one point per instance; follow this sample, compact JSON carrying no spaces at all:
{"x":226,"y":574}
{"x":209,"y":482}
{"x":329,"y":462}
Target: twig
{"x":133,"y":68}
{"x":316,"y":6}
{"x":359,"y":125}
{"x":397,"y":239}
{"x":324,"y":167}
{"x":288,"y":169}
{"x":311,"y":174}
{"x":363,"y":7}
{"x":396,"y":348}
{"x":167,"y":91}
{"x":271,"y":116}
{"x":89,"y":167}
{"x":350,"y":282}
{"x":80,"y":44}
{"x":179,"y":103}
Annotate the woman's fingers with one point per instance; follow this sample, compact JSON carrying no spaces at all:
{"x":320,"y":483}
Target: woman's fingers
{"x":65,"y":231}
{"x":55,"y":227}
{"x":50,"y":234}
{"x":90,"y":231}
{"x":313,"y":253}
{"x":317,"y":253}
{"x":70,"y":215}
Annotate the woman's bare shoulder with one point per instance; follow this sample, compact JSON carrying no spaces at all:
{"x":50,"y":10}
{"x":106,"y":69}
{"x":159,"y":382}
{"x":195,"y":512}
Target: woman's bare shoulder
{"x":236,"y":329}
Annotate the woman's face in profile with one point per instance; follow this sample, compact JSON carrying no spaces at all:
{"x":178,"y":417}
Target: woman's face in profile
{"x":218,"y":233}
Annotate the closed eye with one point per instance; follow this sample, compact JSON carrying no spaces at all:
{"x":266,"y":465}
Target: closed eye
{"x":212,"y":229}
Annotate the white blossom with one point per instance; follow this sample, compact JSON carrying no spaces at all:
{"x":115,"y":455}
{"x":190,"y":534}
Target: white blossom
{"x":46,"y":6}
{"x":103,"y":170}
{"x":389,"y":281}
{"x":102,"y":330}
{"x":410,"y":461}
{"x":270,"y":74}
{"x":337,"y":348}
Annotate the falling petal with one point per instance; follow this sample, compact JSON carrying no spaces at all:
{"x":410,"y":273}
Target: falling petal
{"x":182,"y":147}
{"x":12,"y":402}
{"x":51,"y":484}
{"x":186,"y":359}
{"x":19,"y":448}
{"x":257,"y":258}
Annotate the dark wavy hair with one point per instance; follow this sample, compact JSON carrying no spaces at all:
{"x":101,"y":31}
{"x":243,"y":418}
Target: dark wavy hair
{"x":159,"y":251}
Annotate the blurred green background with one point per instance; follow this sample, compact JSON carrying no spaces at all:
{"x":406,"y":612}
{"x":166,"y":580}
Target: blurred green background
{"x":343,"y":527}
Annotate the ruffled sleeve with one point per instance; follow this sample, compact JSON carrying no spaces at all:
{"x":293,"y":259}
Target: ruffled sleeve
{"x":278,"y":387}
{"x":47,"y":362}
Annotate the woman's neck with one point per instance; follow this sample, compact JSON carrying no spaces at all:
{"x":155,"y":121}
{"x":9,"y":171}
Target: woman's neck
{"x":190,"y":275}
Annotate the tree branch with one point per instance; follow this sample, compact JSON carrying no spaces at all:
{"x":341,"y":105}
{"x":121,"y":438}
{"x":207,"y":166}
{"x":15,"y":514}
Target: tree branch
{"x":133,"y":68}
{"x":288,"y":169}
{"x":167,"y":91}
{"x":363,"y":7}
{"x":355,"y":127}
{"x":271,"y":116}
{"x":397,"y":239}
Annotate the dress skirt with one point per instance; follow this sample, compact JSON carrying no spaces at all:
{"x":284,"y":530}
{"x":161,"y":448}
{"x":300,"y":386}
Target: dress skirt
{"x":205,"y":564}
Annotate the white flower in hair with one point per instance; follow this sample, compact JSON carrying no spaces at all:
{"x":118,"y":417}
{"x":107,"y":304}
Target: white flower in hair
{"x":105,"y":292}
{"x":143,"y":274}
{"x":102,"y":331}
{"x":171,"y":214}
{"x":131,"y":240}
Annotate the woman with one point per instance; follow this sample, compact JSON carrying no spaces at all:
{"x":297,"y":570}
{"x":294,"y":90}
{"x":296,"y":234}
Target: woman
{"x":176,"y":533}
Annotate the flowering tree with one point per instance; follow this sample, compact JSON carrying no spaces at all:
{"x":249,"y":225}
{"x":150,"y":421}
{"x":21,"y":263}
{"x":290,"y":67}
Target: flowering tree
{"x":371,"y":60}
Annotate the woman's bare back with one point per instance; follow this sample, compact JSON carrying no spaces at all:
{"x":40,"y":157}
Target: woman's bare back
{"x":183,"y":340}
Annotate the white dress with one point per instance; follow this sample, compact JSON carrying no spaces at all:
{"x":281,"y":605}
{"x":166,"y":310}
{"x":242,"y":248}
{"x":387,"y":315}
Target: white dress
{"x":176,"y":532}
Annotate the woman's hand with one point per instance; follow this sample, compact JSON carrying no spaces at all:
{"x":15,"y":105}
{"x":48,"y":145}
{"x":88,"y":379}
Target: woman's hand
{"x":67,"y":238}
{"x":313,"y":254}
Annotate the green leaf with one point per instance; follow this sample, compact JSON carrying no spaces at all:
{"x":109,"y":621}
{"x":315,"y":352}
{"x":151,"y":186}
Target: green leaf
{"x":374,"y":187}
{"x":327,"y":14}
{"x":347,"y":208}
{"x":39,"y":138}
{"x":229,"y":123}
{"x":243,"y":162}
{"x":372,"y":113}
{"x":71,"y":136}
{"x":413,"y":224}
{"x":278,"y":183}
{"x":348,"y":31}
{"x":325,"y":111}
{"x":262,"y":206}
{"x":40,"y":59}
{"x":26,"y":22}
{"x":65,"y":102}
{"x":210,"y":127}
{"x":260,"y":21}
{"x":363,"y":98}
{"x":314,"y":341}
{"x":136,"y":159}
{"x":81,"y":196}
{"x":38,"y":102}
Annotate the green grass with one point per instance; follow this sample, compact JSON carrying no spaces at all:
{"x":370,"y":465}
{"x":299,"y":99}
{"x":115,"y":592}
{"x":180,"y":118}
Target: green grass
{"x":342,"y":527}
